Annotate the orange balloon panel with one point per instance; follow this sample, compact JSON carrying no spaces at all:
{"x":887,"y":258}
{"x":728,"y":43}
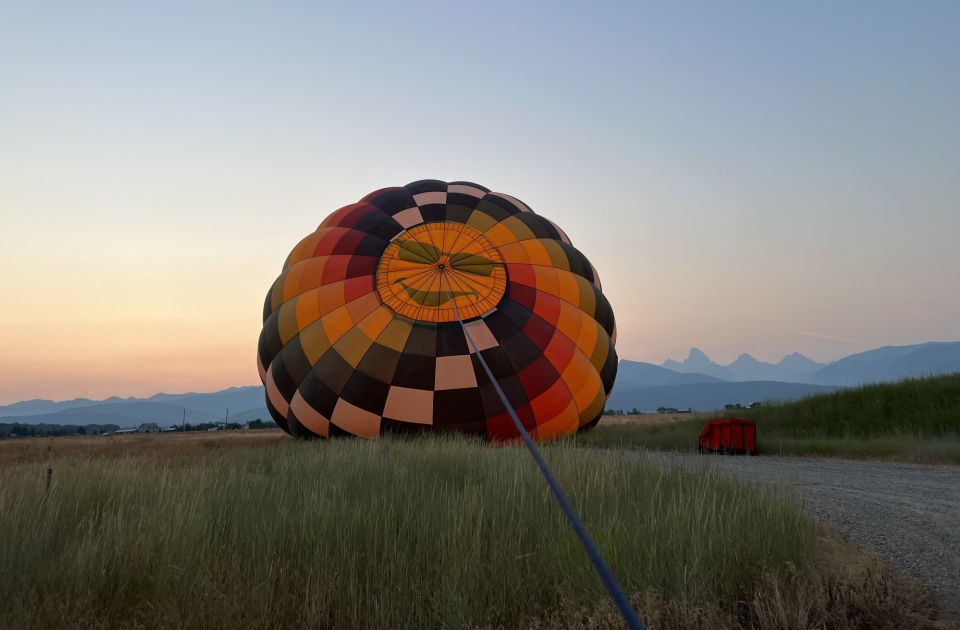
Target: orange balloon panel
{"x":435,"y":271}
{"x":362,"y":330}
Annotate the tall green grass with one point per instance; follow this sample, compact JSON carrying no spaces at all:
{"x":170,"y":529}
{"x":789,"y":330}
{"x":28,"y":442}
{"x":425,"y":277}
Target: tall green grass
{"x":919,"y":408}
{"x":398,"y":534}
{"x":911,"y":420}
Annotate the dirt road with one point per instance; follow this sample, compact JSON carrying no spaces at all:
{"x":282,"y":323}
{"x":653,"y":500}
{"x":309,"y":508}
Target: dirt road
{"x":909,"y":513}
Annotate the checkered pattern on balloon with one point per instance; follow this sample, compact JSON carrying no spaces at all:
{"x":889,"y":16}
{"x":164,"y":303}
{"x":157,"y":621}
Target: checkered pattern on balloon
{"x":362,"y":330}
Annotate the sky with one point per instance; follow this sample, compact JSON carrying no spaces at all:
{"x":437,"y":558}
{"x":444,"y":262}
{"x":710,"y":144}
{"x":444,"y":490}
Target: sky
{"x":746,"y":177}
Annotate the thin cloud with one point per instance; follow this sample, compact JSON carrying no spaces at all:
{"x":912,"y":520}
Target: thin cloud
{"x":820,"y":335}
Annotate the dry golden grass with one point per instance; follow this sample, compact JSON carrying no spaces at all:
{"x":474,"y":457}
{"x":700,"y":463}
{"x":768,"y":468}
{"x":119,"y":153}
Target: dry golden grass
{"x":648,"y":419}
{"x":845,"y":587}
{"x":164,"y":445}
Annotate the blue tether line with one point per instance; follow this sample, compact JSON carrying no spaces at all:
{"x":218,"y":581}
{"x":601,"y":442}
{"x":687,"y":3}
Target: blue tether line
{"x":606,"y":575}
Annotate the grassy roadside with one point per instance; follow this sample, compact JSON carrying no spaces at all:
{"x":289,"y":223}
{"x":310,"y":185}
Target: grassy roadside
{"x":915,"y":420}
{"x":404,"y":534}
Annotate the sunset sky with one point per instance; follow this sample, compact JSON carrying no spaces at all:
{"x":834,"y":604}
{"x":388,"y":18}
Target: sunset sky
{"x":745,"y":177}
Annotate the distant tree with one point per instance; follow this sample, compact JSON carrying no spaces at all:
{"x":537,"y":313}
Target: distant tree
{"x":20,"y":429}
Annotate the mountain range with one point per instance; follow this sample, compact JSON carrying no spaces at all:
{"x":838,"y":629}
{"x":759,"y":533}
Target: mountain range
{"x":243,"y":403}
{"x":792,"y":368}
{"x":882,"y":364}
{"x":697,"y":382}
{"x":700,"y":383}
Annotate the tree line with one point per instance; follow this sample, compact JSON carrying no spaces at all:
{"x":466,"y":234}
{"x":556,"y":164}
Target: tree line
{"x":19,"y":429}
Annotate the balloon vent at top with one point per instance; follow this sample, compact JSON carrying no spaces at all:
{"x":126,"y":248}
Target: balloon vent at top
{"x":362,"y":330}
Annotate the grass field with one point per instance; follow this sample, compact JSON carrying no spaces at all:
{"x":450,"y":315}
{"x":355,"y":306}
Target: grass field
{"x":916,"y":420}
{"x":258,"y":530}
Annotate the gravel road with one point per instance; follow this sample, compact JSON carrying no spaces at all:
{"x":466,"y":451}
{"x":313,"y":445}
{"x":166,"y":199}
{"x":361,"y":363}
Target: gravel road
{"x":909,"y":513}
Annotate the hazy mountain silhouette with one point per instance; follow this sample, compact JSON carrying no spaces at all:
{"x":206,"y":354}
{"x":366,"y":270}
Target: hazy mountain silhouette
{"x":792,"y":368}
{"x":892,"y":363}
{"x":889,"y":363}
{"x":647,"y":387}
{"x":797,"y":362}
{"x":648,"y":374}
{"x":245,"y":403}
{"x":41,"y":405}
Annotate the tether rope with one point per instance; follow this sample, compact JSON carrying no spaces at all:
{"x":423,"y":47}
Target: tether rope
{"x":606,"y":575}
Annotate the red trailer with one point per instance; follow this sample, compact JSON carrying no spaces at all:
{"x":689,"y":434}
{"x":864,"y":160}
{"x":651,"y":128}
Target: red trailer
{"x":729,"y":435}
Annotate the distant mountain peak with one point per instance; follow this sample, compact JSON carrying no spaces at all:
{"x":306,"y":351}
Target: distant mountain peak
{"x":797,"y":361}
{"x":794,"y":367}
{"x":696,"y":361}
{"x":745,"y":359}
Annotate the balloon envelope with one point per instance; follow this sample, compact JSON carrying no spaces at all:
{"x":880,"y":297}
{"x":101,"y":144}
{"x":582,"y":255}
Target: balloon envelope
{"x":362,"y":330}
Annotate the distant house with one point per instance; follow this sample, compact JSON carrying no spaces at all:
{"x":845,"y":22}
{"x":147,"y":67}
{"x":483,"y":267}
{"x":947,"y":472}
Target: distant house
{"x":735,"y":406}
{"x":120,"y":431}
{"x":149,"y":427}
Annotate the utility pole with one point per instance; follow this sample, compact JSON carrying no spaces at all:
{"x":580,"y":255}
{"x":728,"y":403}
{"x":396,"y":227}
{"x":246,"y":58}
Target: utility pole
{"x":183,"y":422}
{"x":225,"y":418}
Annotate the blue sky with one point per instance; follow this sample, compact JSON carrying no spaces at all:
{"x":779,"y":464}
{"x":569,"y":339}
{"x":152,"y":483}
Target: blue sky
{"x":759,"y":177}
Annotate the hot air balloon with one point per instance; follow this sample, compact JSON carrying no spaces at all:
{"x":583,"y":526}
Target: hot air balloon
{"x":378,"y":321}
